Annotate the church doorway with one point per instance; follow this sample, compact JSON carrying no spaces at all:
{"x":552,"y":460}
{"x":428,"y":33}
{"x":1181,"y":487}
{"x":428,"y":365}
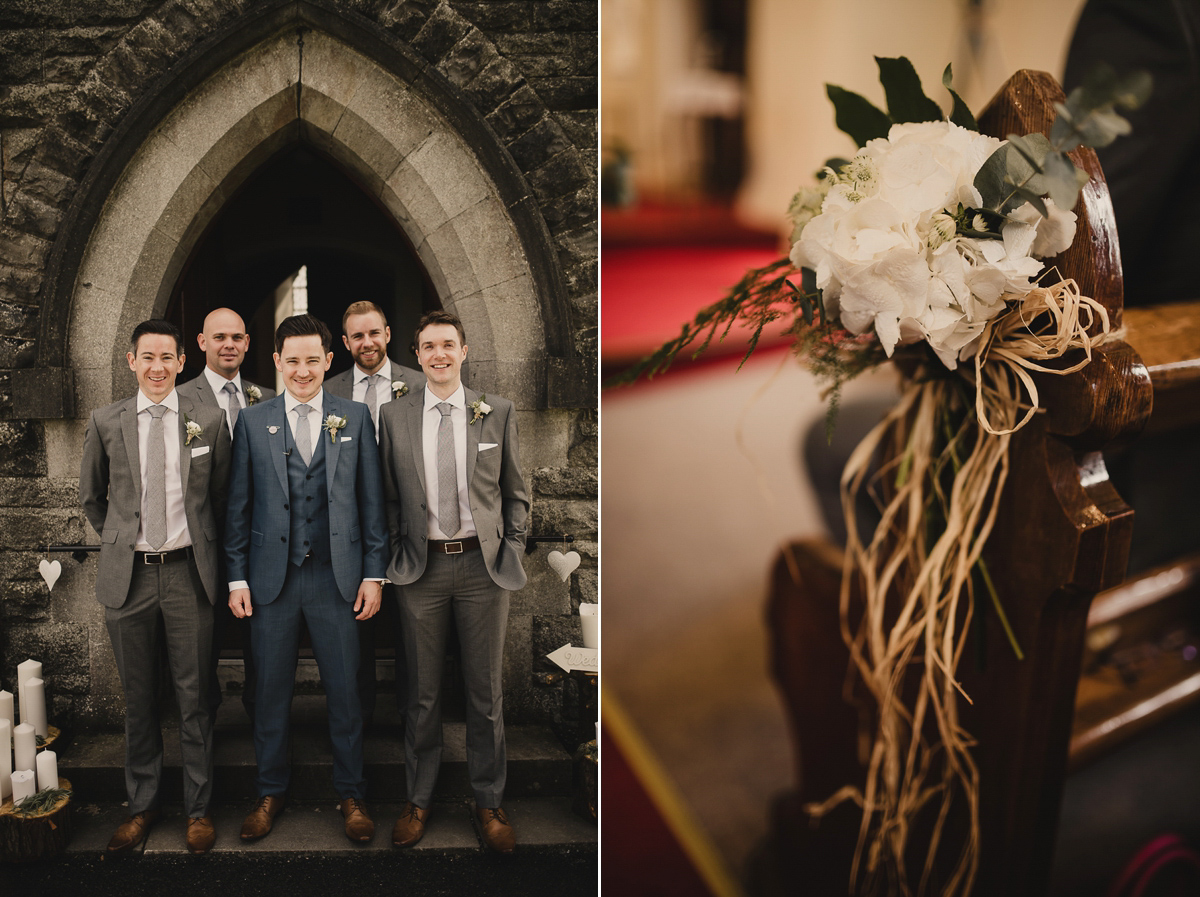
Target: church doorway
{"x":300,"y":234}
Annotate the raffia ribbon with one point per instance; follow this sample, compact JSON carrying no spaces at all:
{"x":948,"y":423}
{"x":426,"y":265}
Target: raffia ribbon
{"x":931,"y":576}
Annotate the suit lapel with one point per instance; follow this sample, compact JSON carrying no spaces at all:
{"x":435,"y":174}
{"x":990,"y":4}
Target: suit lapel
{"x":205,"y":392}
{"x":185,"y":455}
{"x":333,"y":449}
{"x":277,"y":441}
{"x":473,"y":431}
{"x":415,"y":413}
{"x":129,"y":431}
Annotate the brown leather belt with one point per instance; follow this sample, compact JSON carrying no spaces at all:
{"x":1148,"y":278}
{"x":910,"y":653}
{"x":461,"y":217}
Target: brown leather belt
{"x":454,"y":546}
{"x":163,"y":557}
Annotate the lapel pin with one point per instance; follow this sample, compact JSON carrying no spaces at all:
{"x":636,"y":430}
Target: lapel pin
{"x":272,"y":430}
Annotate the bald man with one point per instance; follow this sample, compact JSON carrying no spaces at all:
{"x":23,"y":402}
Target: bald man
{"x":224,"y":342}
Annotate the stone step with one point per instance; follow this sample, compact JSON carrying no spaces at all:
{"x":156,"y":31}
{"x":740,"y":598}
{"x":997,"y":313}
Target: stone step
{"x":537,"y":763}
{"x":307,"y":852}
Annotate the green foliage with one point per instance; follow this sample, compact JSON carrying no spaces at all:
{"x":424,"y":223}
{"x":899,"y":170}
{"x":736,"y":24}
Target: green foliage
{"x":856,"y":115}
{"x":41,"y":802}
{"x":960,"y":114}
{"x":905,"y":97}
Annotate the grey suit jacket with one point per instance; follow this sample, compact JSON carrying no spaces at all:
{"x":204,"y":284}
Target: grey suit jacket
{"x":495,"y":488}
{"x":110,"y":490}
{"x":343,"y":384}
{"x":258,"y":521}
{"x":201,"y":391}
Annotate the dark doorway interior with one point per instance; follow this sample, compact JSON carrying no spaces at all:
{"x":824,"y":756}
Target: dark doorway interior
{"x":300,"y":209}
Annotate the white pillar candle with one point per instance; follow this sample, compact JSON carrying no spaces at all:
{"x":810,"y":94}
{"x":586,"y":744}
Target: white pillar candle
{"x":26,"y":670}
{"x":35,"y":699}
{"x":23,"y":785}
{"x":24,"y":747}
{"x":47,"y":770}
{"x":5,"y":759}
{"x":6,"y":711}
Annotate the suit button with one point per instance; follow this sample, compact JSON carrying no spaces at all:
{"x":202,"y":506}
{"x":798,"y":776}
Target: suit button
{"x":283,"y":538}
{"x":422,"y":506}
{"x":137,"y":513}
{"x":308,"y":521}
{"x":285,"y":507}
{"x":306,"y":541}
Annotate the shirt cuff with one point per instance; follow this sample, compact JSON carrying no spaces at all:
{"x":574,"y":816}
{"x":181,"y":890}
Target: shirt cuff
{"x":382,"y":581}
{"x":240,"y":584}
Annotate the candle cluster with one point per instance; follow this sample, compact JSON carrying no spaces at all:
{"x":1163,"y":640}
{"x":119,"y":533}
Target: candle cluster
{"x":23,"y":771}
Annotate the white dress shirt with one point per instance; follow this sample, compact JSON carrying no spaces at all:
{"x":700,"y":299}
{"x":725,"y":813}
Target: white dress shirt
{"x":430,"y":420}
{"x":217,"y":382}
{"x":177,"y":531}
{"x":383,"y":389}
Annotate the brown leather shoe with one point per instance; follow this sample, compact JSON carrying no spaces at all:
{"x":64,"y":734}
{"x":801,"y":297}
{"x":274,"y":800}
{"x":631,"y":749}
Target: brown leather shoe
{"x":133,"y":831}
{"x":200,"y":834}
{"x":410,"y":826}
{"x":359,"y":826}
{"x":495,"y":830}
{"x":262,"y":817}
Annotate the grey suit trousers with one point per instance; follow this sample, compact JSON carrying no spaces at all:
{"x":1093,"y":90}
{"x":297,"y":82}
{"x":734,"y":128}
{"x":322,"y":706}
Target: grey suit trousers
{"x":457,"y":585}
{"x":175,"y":594}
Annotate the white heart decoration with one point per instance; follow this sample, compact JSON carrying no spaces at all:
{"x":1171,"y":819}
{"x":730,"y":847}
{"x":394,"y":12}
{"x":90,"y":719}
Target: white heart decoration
{"x":51,"y":571}
{"x":563,"y":564}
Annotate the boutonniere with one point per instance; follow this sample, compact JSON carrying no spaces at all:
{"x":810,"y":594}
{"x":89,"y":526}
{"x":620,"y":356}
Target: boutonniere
{"x":333,"y":423}
{"x":480,"y":407}
{"x":253,"y":393}
{"x":399,"y":388}
{"x":191,"y":430}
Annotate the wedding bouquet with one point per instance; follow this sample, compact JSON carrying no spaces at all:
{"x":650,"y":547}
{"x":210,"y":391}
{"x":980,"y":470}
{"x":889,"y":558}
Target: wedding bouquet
{"x":931,"y":242}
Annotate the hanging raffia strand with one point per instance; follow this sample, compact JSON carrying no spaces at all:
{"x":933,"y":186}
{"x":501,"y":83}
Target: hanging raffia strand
{"x":942,"y":492}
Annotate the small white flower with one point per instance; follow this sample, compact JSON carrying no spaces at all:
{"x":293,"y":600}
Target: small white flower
{"x":253,"y":393}
{"x":399,"y":388}
{"x":332,"y":424}
{"x":191,"y":430}
{"x":480,"y":407}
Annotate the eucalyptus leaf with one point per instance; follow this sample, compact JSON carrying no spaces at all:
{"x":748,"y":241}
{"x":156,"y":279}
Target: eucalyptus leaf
{"x":1033,"y":147}
{"x":1063,"y":180}
{"x":856,"y":115}
{"x":1101,"y":127}
{"x":960,"y":114}
{"x":990,"y":179}
{"x":1033,"y":199}
{"x":1133,"y":89}
{"x":1021,"y":171}
{"x":905,"y":97}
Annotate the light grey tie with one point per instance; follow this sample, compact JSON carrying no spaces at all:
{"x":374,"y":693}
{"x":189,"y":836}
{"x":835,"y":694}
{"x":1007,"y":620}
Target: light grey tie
{"x":303,"y":435}
{"x":235,"y":404}
{"x":155,"y":524}
{"x":369,"y":398}
{"x":447,"y":469}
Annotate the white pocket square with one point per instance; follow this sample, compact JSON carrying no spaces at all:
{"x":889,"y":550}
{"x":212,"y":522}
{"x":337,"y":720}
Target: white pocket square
{"x":347,"y":438}
{"x":200,"y":450}
{"x":484,"y":446}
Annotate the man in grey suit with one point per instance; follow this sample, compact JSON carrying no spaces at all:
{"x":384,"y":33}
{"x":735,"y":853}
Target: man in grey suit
{"x":306,"y":541}
{"x":224,"y":342}
{"x":153,"y":485}
{"x":373,"y":379}
{"x":457,"y":509}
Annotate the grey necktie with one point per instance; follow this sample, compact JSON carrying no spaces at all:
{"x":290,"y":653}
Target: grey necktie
{"x":447,"y":469}
{"x":369,"y":398}
{"x":235,"y":404}
{"x":155,"y":524}
{"x":303,"y":435}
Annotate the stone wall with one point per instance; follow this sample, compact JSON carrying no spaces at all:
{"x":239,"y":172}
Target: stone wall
{"x":74,"y":74}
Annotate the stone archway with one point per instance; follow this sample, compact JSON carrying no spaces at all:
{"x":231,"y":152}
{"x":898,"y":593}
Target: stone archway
{"x":390,"y":136}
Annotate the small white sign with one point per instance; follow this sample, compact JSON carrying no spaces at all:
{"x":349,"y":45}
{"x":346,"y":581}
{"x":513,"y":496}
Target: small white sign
{"x":571,"y":658}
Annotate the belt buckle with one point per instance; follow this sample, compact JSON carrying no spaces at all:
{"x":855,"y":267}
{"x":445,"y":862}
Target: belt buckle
{"x":154,"y":558}
{"x":457,"y":550}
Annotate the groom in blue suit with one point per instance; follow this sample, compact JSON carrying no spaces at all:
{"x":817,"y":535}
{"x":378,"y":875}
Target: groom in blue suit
{"x":306,"y":539}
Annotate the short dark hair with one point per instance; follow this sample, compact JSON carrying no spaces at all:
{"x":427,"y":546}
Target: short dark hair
{"x":302,"y":325}
{"x":158,"y":326}
{"x":362,"y":308}
{"x":438,"y":317}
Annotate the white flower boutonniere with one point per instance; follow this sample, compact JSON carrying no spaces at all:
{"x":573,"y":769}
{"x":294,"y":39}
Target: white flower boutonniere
{"x":399,"y":388}
{"x":333,"y":423}
{"x":480,"y":407}
{"x":253,"y":393}
{"x":191,"y":430}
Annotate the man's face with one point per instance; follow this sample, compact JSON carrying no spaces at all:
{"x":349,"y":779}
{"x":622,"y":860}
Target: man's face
{"x":441,"y":354}
{"x":224,"y":342}
{"x":303,"y":363}
{"x":157,"y":363}
{"x":367,"y":338}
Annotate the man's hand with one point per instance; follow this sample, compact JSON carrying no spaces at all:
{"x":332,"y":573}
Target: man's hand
{"x":239,"y":603}
{"x":370,"y":596}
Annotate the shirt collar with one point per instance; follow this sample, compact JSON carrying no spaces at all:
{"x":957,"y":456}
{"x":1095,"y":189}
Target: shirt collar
{"x":385,"y":372}
{"x":458,"y":398}
{"x":217,"y":382}
{"x":316,"y":402}
{"x":171,"y":401}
